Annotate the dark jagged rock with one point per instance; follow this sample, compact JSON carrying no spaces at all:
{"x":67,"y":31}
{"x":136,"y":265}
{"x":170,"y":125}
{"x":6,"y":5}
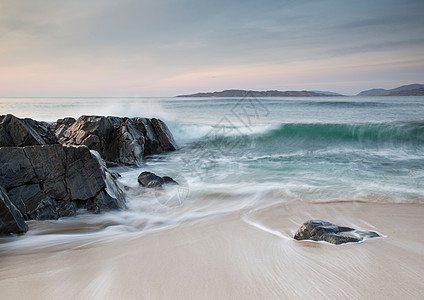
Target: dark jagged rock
{"x":112,"y":197}
{"x":169,"y":180}
{"x":84,"y":177}
{"x":15,"y":168}
{"x":119,"y":140}
{"x":50,"y":166}
{"x":11,"y":220}
{"x":151,"y":180}
{"x":52,"y":181}
{"x":33,"y":202}
{"x":24,"y":132}
{"x":164,"y":136}
{"x":318,"y":230}
{"x":48,"y":170}
{"x":59,"y":127}
{"x":151,"y":142}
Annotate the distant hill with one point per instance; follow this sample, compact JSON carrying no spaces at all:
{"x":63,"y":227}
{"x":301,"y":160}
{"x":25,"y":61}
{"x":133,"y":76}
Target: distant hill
{"x":273,"y":93}
{"x":327,"y":93}
{"x":414,"y":92}
{"x":404,"y":90}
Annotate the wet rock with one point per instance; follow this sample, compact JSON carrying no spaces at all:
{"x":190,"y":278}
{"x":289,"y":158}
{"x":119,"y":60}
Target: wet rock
{"x":112,"y":197}
{"x":49,"y":165}
{"x":164,"y":136}
{"x":59,"y":127}
{"x":84,"y":177}
{"x":52,"y":181}
{"x":15,"y":168}
{"x":151,"y":142}
{"x":169,"y":180}
{"x":33,"y":202}
{"x":151,"y":180}
{"x":65,"y":208}
{"x":119,"y":140}
{"x":11,"y":220}
{"x":24,"y":132}
{"x":318,"y":230}
{"x":114,"y":138}
{"x":91,"y":131}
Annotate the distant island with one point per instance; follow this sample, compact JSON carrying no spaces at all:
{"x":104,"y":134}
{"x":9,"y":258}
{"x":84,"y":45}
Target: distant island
{"x":273,"y":93}
{"x":404,"y":90}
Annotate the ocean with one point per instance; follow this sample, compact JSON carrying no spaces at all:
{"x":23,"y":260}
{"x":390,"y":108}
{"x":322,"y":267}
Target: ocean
{"x":244,"y":154}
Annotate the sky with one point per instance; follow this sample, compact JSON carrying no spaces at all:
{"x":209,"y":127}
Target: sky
{"x":147,"y":48}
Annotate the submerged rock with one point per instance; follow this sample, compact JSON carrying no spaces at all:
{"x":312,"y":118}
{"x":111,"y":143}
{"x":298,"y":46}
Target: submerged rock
{"x":118,"y":140}
{"x":151,"y":180}
{"x":318,"y":230}
{"x":52,"y":181}
{"x":11,"y":220}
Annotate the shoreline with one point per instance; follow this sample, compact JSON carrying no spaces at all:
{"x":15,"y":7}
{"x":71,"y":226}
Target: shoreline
{"x":227,"y":258}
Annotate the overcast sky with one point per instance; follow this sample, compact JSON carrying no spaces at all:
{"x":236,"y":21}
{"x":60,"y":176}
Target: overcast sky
{"x":171,"y":47}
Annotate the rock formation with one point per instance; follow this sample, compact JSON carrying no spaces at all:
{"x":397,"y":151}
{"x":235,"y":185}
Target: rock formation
{"x":151,"y":180}
{"x":52,"y":181}
{"x":24,"y":132}
{"x":118,"y":140}
{"x":48,"y":171}
{"x":318,"y":230}
{"x":60,"y":126}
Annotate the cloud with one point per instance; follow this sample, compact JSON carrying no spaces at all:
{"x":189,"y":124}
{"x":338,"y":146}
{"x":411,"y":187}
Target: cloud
{"x":409,"y":44}
{"x":155,"y":43}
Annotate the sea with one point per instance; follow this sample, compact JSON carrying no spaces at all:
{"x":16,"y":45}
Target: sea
{"x":241,"y":154}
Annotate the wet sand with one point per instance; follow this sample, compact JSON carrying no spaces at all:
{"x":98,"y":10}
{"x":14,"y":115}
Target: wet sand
{"x":243,"y":255}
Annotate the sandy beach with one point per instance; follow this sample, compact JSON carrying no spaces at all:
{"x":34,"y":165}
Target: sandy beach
{"x":243,"y":255}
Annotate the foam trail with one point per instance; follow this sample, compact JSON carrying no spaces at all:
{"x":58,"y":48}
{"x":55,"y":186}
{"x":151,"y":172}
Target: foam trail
{"x":249,"y":220}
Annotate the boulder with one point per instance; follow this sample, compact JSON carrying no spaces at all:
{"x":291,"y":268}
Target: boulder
{"x":11,"y":220}
{"x":151,"y":180}
{"x":318,"y":230}
{"x":118,"y":140}
{"x":24,"y":132}
{"x":169,"y":180}
{"x":53,"y":181}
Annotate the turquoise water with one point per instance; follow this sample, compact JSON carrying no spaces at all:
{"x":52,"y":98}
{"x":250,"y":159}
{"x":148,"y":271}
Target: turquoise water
{"x":247,"y":153}
{"x":296,"y":149}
